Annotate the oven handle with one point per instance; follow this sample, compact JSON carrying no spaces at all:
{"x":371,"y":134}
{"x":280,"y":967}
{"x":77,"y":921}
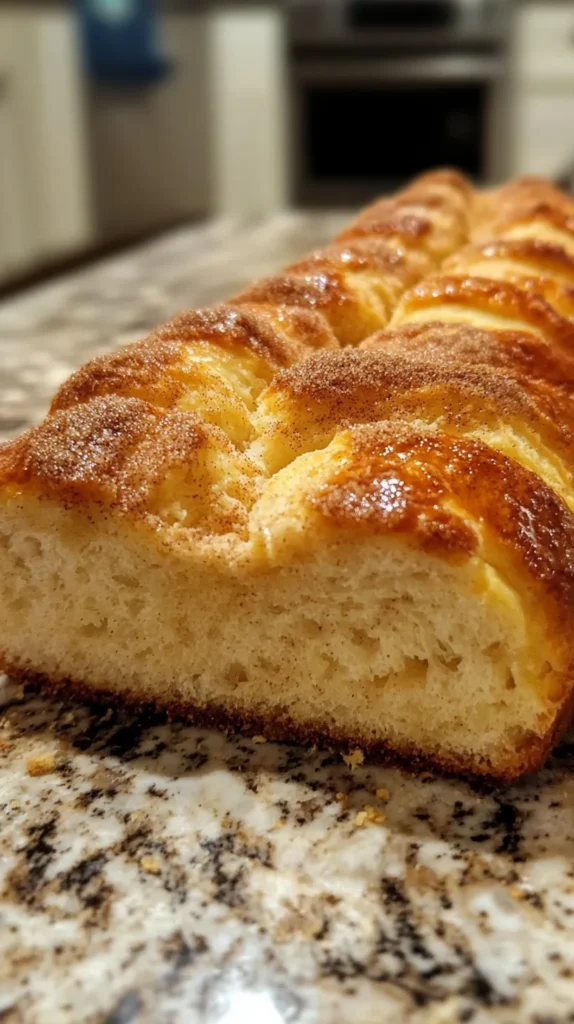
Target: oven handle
{"x":446,"y":68}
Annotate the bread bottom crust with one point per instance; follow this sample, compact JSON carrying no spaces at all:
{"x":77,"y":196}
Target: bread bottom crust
{"x":282,"y":728}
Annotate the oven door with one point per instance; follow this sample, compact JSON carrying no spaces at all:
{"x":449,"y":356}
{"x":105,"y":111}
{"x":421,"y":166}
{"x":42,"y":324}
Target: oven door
{"x":363,"y":126}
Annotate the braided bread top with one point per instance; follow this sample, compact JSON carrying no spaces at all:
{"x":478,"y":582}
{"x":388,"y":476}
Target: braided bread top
{"x":194,"y":384}
{"x":433,"y":336}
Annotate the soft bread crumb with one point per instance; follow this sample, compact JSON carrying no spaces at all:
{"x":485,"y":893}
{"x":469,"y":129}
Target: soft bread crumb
{"x":41,"y":764}
{"x":259,"y":739}
{"x":382,"y":794}
{"x":473,"y":725}
{"x":150,"y":865}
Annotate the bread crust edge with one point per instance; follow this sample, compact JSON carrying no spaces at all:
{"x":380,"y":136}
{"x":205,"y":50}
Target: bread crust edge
{"x":284,"y":729}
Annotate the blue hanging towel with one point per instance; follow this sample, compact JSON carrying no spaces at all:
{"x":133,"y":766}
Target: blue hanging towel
{"x":121,"y":41}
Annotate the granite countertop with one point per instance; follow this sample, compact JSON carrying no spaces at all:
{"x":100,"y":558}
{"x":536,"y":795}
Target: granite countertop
{"x":156,"y":872}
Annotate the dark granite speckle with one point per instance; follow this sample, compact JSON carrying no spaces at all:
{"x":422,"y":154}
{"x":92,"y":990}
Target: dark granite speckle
{"x":126,"y":1010}
{"x":140,"y":886}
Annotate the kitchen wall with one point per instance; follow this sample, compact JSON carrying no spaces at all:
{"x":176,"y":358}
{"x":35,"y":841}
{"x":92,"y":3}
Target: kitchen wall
{"x":82,"y":165}
{"x":45,"y":201}
{"x":247,"y":83}
{"x":149,"y":146}
{"x":543,"y":88}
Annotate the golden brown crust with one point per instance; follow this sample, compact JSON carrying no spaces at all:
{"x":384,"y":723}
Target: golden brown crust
{"x":526,"y":356}
{"x":448,"y":178}
{"x":531,"y":257}
{"x":382,"y":268}
{"x":434,"y":209}
{"x":370,"y":254}
{"x":115,"y":403}
{"x":542,"y":268}
{"x":121,"y":454}
{"x":553,"y":222}
{"x":146,"y":369}
{"x":321,"y":285}
{"x":309,"y":403}
{"x":305,"y":328}
{"x":502,"y":301}
{"x":397,"y":479}
{"x":390,"y":484}
{"x":348,"y":386}
{"x":344,"y":282}
{"x":387,"y":220}
{"x":434,"y":189}
{"x":524,"y":200}
{"x":236,"y":330}
{"x":78,"y":454}
{"x":156,"y":369}
{"x":325,"y":291}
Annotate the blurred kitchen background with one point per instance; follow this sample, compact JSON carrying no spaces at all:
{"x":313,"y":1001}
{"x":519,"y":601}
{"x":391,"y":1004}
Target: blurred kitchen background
{"x":122,"y":118}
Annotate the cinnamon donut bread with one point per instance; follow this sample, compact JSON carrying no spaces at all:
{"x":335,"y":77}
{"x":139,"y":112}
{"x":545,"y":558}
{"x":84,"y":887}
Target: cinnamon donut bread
{"x":339,"y":507}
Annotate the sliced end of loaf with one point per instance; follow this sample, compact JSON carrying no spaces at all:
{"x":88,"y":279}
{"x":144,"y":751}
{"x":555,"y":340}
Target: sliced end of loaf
{"x":439,"y":644}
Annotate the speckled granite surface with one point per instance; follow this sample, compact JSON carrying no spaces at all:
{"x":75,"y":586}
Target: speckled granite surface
{"x":161,"y":873}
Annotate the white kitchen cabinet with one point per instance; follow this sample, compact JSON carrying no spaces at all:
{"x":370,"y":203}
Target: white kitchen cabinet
{"x":150,"y":145}
{"x":17,"y":236}
{"x":544,"y":132}
{"x":545,"y":41}
{"x":44,"y":182}
{"x":543,"y":87}
{"x":247,"y":95}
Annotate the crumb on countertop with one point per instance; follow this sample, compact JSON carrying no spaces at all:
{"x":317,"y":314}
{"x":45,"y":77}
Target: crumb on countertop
{"x":306,"y":925}
{"x":41,"y":764}
{"x":355,"y":758}
{"x":517,"y":893}
{"x":259,"y":739}
{"x":369,"y":815}
{"x":447,"y":1012}
{"x":150,"y":865}
{"x":382,"y":794}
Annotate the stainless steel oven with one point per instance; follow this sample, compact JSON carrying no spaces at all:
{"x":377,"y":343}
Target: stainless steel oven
{"x":381,"y":91}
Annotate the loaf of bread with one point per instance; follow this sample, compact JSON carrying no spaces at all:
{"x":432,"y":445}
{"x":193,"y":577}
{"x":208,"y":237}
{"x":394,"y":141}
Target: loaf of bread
{"x":337,"y":508}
